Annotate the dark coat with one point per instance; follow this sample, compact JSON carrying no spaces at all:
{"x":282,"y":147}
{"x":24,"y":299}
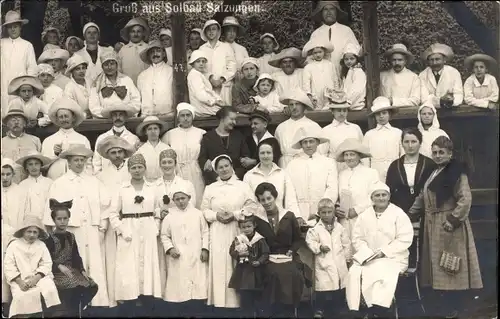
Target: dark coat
{"x":254,"y":151}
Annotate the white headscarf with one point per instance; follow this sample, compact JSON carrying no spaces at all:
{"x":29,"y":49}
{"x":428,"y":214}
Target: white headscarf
{"x":185,"y":106}
{"x":435,"y":122}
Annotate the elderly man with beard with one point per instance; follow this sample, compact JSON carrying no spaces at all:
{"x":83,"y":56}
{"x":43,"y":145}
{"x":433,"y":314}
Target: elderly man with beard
{"x":156,"y":82}
{"x":136,"y":31}
{"x":289,"y":78}
{"x":119,"y":113}
{"x":399,"y":84}
{"x":16,"y":143}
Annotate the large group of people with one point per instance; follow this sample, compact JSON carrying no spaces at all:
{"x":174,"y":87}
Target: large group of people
{"x":245,"y":224}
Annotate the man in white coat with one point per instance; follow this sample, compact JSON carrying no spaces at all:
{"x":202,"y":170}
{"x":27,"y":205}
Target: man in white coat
{"x":336,"y":34}
{"x":119,"y":113}
{"x":232,"y":29}
{"x":17,"y":55}
{"x":441,"y":80}
{"x":400,"y":85}
{"x":381,"y":238}
{"x":289,"y":78}
{"x":135,"y":32}
{"x":314,"y":176}
{"x":88,"y":214}
{"x":156,"y":82}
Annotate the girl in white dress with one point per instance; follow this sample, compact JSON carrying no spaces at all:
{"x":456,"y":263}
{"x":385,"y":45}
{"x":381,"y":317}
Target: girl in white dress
{"x":270,"y":48}
{"x":267,"y":95}
{"x":353,"y":77}
{"x":428,"y":125}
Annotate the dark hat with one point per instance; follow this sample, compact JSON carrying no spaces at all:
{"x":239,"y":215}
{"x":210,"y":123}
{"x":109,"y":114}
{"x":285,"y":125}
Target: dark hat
{"x":261,"y":113}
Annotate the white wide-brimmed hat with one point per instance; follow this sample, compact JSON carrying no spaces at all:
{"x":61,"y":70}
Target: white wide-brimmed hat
{"x":337,"y":98}
{"x":490,"y":62}
{"x":381,"y":103}
{"x":352,"y":48}
{"x":124,"y":33}
{"x":400,"y":48}
{"x":148,"y":120}
{"x":36,"y":155}
{"x":288,"y":53}
{"x":232,"y":21}
{"x":297,"y":95}
{"x":115,"y":107}
{"x":144,"y":54}
{"x":16,"y":83}
{"x":76,"y":150}
{"x":14,"y":17}
{"x":270,"y":35}
{"x":53,"y":54}
{"x":68,"y":104}
{"x":353,"y":145}
{"x":206,"y":25}
{"x":322,"y":4}
{"x":317,"y":42}
{"x":113,"y":141}
{"x":440,"y":48}
{"x":31,"y":221}
{"x":73,"y":62}
{"x":197,"y":54}
{"x":308,"y":131}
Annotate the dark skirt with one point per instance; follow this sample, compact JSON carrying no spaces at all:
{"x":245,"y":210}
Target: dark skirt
{"x":284,"y":283}
{"x":247,"y":277}
{"x":78,"y":286}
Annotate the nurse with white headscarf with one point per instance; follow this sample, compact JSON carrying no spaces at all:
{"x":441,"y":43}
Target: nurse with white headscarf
{"x":428,"y":125}
{"x":185,"y":140}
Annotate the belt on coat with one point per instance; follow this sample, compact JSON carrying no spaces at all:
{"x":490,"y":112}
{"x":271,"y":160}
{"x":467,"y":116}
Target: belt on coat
{"x":136,"y":215}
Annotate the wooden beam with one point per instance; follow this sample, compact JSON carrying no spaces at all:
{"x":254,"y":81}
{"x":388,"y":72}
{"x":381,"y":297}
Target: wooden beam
{"x":498,"y":38}
{"x":179,"y":57}
{"x":370,"y":48}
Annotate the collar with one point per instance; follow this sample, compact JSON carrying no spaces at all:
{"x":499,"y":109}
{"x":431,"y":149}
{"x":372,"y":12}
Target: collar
{"x":140,"y":44}
{"x":9,"y":134}
{"x":265,"y":136}
{"x":304,"y":155}
{"x":275,"y":167}
{"x":386,"y":126}
{"x":18,"y":39}
{"x":401,"y":72}
{"x":244,"y":239}
{"x":35,"y":179}
{"x":440,"y":72}
{"x":119,"y":167}
{"x":356,"y":168}
{"x":9,"y":188}
{"x":476,"y":81}
{"x":118,"y":129}
{"x":128,"y":182}
{"x":230,"y":181}
{"x":336,"y":123}
{"x":72,"y":175}
{"x":66,"y":131}
{"x":158,"y":65}
{"x":321,"y":224}
{"x":330,"y":26}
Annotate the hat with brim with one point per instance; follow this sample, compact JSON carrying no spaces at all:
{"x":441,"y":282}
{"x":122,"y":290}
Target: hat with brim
{"x":261,"y":114}
{"x":53,"y":54}
{"x":490,"y":62}
{"x":288,"y":53}
{"x":197,"y":54}
{"x":73,"y":62}
{"x":316,"y":43}
{"x":297,"y":95}
{"x":231,"y":21}
{"x":380,"y":104}
{"x":353,"y":145}
{"x":118,"y":107}
{"x":206,"y":25}
{"x":31,"y":221}
{"x":308,"y":132}
{"x":144,"y":55}
{"x":36,"y":155}
{"x":5,"y":161}
{"x":14,"y":17}
{"x":124,"y":33}
{"x":322,"y":4}
{"x":67,"y":104}
{"x":148,"y":120}
{"x":440,"y":48}
{"x":76,"y":150}
{"x":35,"y":83}
{"x":113,"y":141}
{"x":15,"y":109}
{"x":269,"y":35}
{"x":50,"y":29}
{"x":401,"y":49}
{"x":337,"y":98}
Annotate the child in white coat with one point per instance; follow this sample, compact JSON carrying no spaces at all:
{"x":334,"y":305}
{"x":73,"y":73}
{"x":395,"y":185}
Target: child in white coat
{"x":353,"y":77}
{"x":270,"y":48}
{"x":267,"y":95}
{"x":329,"y":241}
{"x":27,"y":89}
{"x":481,"y":88}
{"x":51,"y":91}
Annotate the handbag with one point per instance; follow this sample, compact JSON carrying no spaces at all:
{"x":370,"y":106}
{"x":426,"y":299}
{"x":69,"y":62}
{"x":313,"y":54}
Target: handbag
{"x":449,"y":261}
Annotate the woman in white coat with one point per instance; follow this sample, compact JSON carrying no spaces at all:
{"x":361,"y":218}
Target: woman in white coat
{"x":222,"y":204}
{"x":428,"y":125}
{"x":135,"y":216}
{"x":185,"y":141}
{"x":381,"y":238}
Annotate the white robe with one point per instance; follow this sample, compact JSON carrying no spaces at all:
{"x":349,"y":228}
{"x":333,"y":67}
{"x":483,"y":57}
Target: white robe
{"x":12,"y":208}
{"x":318,"y":75}
{"x":78,"y":93}
{"x":51,"y":94}
{"x":186,"y":143}
{"x":201,"y":94}
{"x":187,"y":276}
{"x":355,"y":88}
{"x":65,"y":137}
{"x":152,"y":156}
{"x":450,"y":81}
{"x":337,"y":133}
{"x":384,"y":143}
{"x":479,"y":95}
{"x":7,"y":232}
{"x":129,"y":61}
{"x":24,"y":259}
{"x":404,"y":88}
{"x":288,"y":83}
{"x":285,"y":134}
{"x":314,"y":178}
{"x":98,"y":162}
{"x":35,"y":192}
{"x":392,"y":234}
{"x":137,"y":269}
{"x":330,"y":269}
{"x":263,"y":64}
{"x":156,"y":87}
{"x":223,"y":196}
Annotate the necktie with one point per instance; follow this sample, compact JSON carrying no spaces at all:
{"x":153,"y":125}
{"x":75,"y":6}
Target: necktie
{"x":329,"y":34}
{"x":437,"y":76}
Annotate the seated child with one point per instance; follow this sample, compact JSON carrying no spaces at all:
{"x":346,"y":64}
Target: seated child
{"x":51,"y":38}
{"x":481,"y":88}
{"x":353,"y":77}
{"x":329,"y":241}
{"x":267,"y":95}
{"x":28,"y":270}
{"x":51,"y":91}
{"x":201,"y":94}
{"x":27,"y":89}
{"x":251,"y":252}
{"x":71,"y":280}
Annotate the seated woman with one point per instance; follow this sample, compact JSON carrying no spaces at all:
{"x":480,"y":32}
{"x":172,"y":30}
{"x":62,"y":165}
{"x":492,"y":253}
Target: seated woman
{"x":74,"y":286}
{"x":28,"y":270}
{"x":381,"y":238}
{"x":243,"y":91}
{"x":286,"y":274}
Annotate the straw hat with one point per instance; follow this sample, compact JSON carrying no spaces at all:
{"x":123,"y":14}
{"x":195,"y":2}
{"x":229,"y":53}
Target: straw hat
{"x":30,"y":221}
{"x":288,"y":53}
{"x":14,"y":17}
{"x":122,"y":107}
{"x":269,"y":35}
{"x":76,"y":150}
{"x":144,"y":55}
{"x":337,"y":98}
{"x":114,"y":142}
{"x":308,"y":131}
{"x":16,"y":83}
{"x":67,"y":104}
{"x":49,"y":29}
{"x":353,"y":145}
{"x":352,"y":48}
{"x":490,"y":62}
{"x":15,"y":108}
{"x":262,"y":114}
{"x":73,"y":62}
{"x":443,"y":49}
{"x":232,"y":21}
{"x":34,"y":154}
{"x":206,"y":25}
{"x":53,"y":54}
{"x":297,"y":95}
{"x":148,"y":120}
{"x":197,"y":54}
{"x":400,"y":48}
{"x":124,"y":33}
{"x":322,"y":4}
{"x":317,"y":43}
{"x":381,"y":103}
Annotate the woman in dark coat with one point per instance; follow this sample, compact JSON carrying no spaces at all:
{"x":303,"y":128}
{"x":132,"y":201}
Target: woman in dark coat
{"x":242,"y":92}
{"x":285,"y":281}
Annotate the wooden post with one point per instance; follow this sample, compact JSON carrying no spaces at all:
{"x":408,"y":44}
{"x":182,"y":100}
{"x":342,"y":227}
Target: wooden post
{"x":370,"y":48}
{"x":498,"y":38}
{"x":179,"y":62}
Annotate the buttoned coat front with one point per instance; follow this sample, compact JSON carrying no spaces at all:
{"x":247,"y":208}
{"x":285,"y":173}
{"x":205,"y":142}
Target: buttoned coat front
{"x":450,"y":81}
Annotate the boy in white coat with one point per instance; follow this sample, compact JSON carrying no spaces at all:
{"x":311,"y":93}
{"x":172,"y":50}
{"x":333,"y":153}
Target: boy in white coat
{"x":135,"y":32}
{"x":231,"y":29}
{"x":481,"y":88}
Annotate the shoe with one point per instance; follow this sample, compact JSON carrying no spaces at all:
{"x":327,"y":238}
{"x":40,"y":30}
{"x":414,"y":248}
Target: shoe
{"x":319,"y":315}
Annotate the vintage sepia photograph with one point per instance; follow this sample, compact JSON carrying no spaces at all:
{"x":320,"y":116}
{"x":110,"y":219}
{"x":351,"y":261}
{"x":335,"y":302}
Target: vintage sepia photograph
{"x":249,"y":159}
